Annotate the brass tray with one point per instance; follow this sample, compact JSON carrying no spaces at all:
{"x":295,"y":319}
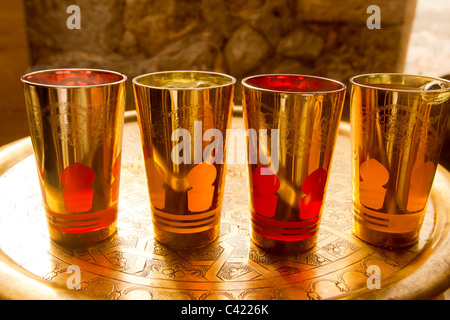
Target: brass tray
{"x":131,"y":265}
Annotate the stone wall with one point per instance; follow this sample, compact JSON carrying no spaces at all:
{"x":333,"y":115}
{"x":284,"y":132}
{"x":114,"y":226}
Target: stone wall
{"x":239,"y":37}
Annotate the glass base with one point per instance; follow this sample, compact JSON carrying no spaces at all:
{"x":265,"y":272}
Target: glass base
{"x":384,"y":239}
{"x":82,"y":239}
{"x":187,"y":240}
{"x":284,"y":246}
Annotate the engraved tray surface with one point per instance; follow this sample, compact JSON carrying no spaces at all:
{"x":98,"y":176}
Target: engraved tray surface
{"x":132,"y":265}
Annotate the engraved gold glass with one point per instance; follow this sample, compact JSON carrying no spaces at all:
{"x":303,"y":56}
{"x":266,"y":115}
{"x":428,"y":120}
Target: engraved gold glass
{"x":292,"y":123}
{"x":76,"y":121}
{"x":398,"y":126}
{"x":183,"y":117}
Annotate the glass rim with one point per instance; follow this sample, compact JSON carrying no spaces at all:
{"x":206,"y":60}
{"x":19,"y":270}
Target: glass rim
{"x":342,"y":86}
{"x":232,"y":80}
{"x":36,"y":83}
{"x":353,"y":81}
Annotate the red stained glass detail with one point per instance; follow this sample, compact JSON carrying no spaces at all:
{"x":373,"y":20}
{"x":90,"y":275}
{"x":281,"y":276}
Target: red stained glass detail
{"x":314,"y":188}
{"x":78,"y":195}
{"x":285,"y":225}
{"x":282,"y":237}
{"x":73,"y":77}
{"x":293,"y":83}
{"x":85,"y":222}
{"x":266,"y":184}
{"x":265,"y":204}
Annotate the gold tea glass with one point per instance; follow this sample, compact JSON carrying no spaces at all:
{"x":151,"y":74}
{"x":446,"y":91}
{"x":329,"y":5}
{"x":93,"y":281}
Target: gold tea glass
{"x":398,"y":126}
{"x":183,"y":117}
{"x":76,"y":122}
{"x":292,"y":123}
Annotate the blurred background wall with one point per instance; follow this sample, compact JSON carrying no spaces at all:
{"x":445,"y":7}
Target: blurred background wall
{"x":238,"y":37}
{"x":14,"y":61}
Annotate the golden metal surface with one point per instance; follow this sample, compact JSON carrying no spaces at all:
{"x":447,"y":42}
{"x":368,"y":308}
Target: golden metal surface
{"x":131,"y":265}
